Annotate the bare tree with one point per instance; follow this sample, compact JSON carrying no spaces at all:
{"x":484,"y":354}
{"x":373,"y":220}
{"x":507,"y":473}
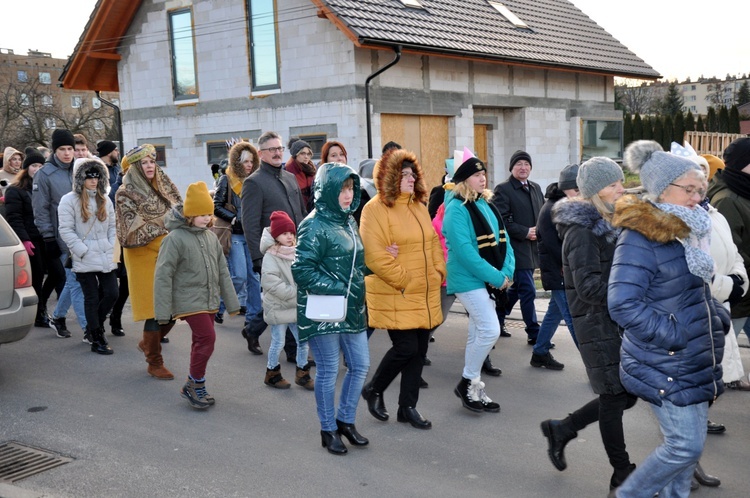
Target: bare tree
{"x":636,"y":97}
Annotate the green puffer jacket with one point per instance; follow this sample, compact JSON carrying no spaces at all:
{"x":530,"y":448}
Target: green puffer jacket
{"x":324,"y":254}
{"x":191,"y":272}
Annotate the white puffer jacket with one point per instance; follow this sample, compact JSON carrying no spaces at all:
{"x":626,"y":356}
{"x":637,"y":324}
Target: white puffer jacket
{"x":91,"y":243}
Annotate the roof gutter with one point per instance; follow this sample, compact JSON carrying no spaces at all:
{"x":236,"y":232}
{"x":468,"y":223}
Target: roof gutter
{"x":117,"y":117}
{"x":396,"y":49}
{"x":375,"y":43}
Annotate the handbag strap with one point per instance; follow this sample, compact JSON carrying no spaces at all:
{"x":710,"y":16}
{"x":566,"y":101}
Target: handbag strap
{"x":354,"y":260}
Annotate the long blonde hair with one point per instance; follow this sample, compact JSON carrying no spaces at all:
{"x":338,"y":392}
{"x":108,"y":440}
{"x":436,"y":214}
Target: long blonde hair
{"x":469,"y":194}
{"x":605,"y":209}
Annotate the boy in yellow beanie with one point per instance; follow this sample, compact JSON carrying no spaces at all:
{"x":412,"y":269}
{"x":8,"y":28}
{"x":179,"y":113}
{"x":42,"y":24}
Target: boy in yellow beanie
{"x":184,"y":290}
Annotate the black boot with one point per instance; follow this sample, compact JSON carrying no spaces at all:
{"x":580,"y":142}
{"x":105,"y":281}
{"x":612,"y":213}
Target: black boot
{"x":705,"y":479}
{"x":115,"y":324}
{"x":253,"y":345}
{"x":42,"y":319}
{"x":489,"y":369}
{"x":411,"y":415}
{"x":97,"y":342}
{"x":350,"y":433}
{"x":468,"y":396}
{"x":375,"y":402}
{"x":619,"y":476}
{"x":332,"y":441}
{"x":558,"y":433}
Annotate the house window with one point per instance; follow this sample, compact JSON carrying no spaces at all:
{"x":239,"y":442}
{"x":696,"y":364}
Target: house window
{"x":45,"y":78}
{"x":98,"y":124}
{"x":116,"y":102}
{"x":510,"y":16}
{"x":23,"y":76}
{"x":602,"y":138}
{"x":184,"y":81}
{"x":161,"y":155}
{"x":76,"y":101}
{"x":216,"y":152}
{"x":263,"y":49}
{"x":316,"y":143}
{"x":96,"y":103}
{"x":412,"y":3}
{"x":47,"y":100}
{"x":25,"y":122}
{"x":50,"y":123}
{"x":24,"y":100}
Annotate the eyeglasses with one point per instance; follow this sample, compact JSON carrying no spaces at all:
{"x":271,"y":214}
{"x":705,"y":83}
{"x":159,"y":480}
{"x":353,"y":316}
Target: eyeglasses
{"x":275,"y":149}
{"x":303,"y":153}
{"x":406,"y":174}
{"x":691,"y":189}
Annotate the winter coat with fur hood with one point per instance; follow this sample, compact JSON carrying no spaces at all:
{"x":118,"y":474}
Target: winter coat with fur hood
{"x":587,"y":249}
{"x":229,"y":186}
{"x":327,"y":244}
{"x":191,"y":272}
{"x":673,"y":339}
{"x":279,"y":289}
{"x":92,"y":242}
{"x":403,"y":293}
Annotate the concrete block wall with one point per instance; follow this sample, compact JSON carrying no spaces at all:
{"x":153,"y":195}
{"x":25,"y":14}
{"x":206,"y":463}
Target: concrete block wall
{"x":491,"y":78}
{"x":449,"y":75}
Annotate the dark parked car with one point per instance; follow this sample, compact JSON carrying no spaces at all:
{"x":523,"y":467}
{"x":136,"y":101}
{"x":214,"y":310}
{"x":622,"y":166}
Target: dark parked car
{"x":17,"y":298}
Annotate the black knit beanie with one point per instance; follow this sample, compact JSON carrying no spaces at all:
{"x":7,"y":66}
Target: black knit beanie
{"x":62,"y":137}
{"x":517,"y":156}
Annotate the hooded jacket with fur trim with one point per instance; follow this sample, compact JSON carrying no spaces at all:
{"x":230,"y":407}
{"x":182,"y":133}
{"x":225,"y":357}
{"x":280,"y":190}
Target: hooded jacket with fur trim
{"x":586,"y":257}
{"x":225,"y":190}
{"x":673,"y":341}
{"x":91,"y":242}
{"x":403,"y":293}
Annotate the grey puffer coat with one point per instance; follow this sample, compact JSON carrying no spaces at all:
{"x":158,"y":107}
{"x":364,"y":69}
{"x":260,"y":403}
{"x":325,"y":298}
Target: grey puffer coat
{"x":279,"y":289}
{"x":91,"y":242}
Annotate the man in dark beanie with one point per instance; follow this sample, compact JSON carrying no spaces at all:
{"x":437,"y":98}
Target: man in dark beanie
{"x":52,"y":182}
{"x":519,"y":201}
{"x":729,"y":192}
{"x":110,"y":156}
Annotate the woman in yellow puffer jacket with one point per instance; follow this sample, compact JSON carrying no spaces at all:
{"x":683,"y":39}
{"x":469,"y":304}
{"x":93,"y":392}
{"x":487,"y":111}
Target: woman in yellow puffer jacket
{"x":403,"y":292}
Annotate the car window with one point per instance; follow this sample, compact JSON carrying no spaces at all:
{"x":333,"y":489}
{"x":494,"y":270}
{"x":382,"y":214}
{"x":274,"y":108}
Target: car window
{"x":7,"y":235}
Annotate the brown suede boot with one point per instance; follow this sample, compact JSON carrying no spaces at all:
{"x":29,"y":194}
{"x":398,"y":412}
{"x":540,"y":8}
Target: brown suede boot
{"x":151,"y":347}
{"x":302,"y":378}
{"x":274,"y":378}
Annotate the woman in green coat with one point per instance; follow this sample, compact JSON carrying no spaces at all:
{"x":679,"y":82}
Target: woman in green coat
{"x":330,"y":261}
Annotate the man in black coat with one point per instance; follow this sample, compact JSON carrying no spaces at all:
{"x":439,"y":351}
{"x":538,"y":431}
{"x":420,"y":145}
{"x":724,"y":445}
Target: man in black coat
{"x":519,"y":201}
{"x":549,"y":245}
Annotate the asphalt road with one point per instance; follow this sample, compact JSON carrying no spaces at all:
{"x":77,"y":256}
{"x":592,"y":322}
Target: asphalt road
{"x":131,"y":435}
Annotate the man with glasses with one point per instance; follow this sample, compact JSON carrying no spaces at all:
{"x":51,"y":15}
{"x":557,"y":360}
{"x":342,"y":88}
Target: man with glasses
{"x":270,"y":188}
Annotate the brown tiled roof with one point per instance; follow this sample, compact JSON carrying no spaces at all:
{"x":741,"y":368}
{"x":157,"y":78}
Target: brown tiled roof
{"x":559,"y":34}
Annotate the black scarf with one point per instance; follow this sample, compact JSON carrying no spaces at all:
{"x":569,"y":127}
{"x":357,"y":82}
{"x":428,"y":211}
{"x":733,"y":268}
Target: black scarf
{"x":490,"y":250}
{"x":737,"y":181}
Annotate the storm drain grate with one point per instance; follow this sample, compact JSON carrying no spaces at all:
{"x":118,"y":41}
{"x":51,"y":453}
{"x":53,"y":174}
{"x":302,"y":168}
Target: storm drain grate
{"x":19,"y":461}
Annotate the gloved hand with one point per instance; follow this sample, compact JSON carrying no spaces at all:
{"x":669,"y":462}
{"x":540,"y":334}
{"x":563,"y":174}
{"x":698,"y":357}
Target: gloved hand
{"x":257,"y":264}
{"x":737,"y":291}
{"x":52,"y":248}
{"x":29,"y":247}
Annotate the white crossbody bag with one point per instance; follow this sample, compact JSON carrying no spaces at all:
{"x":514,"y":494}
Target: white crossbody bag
{"x":331,"y":308}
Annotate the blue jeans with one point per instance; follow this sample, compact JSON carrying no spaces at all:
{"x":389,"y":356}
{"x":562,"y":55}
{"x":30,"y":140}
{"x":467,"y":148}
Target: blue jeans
{"x":71,"y":294}
{"x":558,"y":308}
{"x":669,"y":468}
{"x":327,"y":349}
{"x":278,"y":336}
{"x":484,"y":329}
{"x":523,"y":288}
{"x":237,"y":262}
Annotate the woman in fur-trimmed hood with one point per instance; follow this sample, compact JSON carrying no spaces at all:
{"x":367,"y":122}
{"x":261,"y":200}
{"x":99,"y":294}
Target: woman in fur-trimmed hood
{"x":87,"y":226}
{"x":403,"y":292}
{"x":659,"y":293}
{"x":584,"y":225}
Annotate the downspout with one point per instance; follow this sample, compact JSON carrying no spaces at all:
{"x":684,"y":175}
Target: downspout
{"x":396,"y":49}
{"x":117,"y":117}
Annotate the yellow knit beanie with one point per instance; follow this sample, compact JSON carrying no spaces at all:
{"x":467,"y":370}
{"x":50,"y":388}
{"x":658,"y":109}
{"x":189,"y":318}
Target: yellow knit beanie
{"x":198,"y":201}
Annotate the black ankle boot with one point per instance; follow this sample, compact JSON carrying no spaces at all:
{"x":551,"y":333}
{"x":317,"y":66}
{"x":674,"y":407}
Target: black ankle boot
{"x":42,"y":319}
{"x":619,"y":476}
{"x":411,"y":415}
{"x":332,"y":441}
{"x":375,"y":403}
{"x":98,"y":345}
{"x":558,"y":433}
{"x":115,"y":324}
{"x":350,"y":433}
{"x":468,"y":399}
{"x":705,"y":479}
{"x":489,"y":369}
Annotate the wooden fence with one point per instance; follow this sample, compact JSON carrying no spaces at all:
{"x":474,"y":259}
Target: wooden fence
{"x":705,"y":142}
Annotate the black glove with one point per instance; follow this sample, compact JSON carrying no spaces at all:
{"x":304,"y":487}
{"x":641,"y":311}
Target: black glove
{"x":257,"y":263}
{"x":52,"y":248}
{"x":737,"y":290}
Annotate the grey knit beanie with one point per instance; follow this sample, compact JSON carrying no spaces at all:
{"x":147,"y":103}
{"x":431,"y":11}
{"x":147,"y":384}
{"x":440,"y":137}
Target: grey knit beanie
{"x":657,"y":168}
{"x":297,"y":147}
{"x":567,"y":178}
{"x":597,"y":173}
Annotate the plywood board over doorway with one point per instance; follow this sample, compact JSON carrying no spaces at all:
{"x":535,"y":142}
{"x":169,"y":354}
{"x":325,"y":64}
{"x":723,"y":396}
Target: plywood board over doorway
{"x":426,"y":136}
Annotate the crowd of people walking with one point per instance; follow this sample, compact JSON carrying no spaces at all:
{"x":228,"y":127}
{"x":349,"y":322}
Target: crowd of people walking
{"x":652,"y":285}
